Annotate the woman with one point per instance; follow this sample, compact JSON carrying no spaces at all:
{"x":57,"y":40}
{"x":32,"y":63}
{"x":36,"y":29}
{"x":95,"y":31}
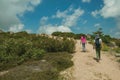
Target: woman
{"x":83,"y":41}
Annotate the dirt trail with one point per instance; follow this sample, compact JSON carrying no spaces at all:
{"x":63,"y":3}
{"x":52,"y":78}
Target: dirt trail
{"x":86,"y":68}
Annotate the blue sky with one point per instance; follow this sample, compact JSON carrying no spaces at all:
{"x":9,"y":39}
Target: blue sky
{"x":47,"y":16}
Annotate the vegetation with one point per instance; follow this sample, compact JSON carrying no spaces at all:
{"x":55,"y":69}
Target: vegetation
{"x":46,"y":69}
{"x":105,"y":47}
{"x":108,"y":41}
{"x":67,"y":34}
{"x":117,"y":50}
{"x":20,"y":48}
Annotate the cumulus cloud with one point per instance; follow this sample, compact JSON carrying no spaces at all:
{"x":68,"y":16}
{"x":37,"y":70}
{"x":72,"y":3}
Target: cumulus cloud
{"x":60,"y":14}
{"x":97,"y":25}
{"x":51,"y":28}
{"x":118,"y":22}
{"x":18,"y":28}
{"x":69,"y":18}
{"x":117,"y":34}
{"x":43,"y":20}
{"x":111,"y":9}
{"x":11,"y":9}
{"x":95,"y":13}
{"x":86,"y":1}
{"x":28,"y":31}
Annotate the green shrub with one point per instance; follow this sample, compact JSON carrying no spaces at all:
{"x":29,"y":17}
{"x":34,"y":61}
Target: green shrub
{"x":19,"y":47}
{"x":105,"y":47}
{"x":37,"y":53}
{"x":117,"y":41}
{"x":117,"y":50}
{"x":54,"y":45}
{"x":118,"y":60}
{"x":69,"y":45}
{"x":34,"y":54}
{"x":8,"y":62}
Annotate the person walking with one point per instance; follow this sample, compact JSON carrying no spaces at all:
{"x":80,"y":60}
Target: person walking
{"x":83,"y":41}
{"x":97,"y":46}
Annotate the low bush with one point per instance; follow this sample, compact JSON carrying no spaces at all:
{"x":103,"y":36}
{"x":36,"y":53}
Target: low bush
{"x":118,"y":60}
{"x":117,"y":50}
{"x":105,"y":47}
{"x":35,"y":54}
{"x":54,"y":45}
{"x":19,"y":47}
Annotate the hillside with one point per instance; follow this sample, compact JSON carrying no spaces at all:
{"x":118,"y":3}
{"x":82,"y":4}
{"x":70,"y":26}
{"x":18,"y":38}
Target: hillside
{"x":46,"y":57}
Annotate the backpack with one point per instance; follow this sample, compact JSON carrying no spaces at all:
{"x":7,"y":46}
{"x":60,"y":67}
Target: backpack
{"x":97,"y":43}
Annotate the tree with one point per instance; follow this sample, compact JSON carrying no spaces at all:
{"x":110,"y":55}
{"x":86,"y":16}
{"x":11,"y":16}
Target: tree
{"x":99,"y":31}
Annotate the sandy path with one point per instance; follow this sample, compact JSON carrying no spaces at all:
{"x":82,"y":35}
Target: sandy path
{"x":86,"y":68}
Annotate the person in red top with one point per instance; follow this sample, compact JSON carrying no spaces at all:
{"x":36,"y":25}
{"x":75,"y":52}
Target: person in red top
{"x":83,"y":41}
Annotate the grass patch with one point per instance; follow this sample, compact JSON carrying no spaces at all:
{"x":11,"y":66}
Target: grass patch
{"x":117,"y":50}
{"x":60,"y":60}
{"x":46,"y":69}
{"x":118,"y":60}
{"x":105,"y":47}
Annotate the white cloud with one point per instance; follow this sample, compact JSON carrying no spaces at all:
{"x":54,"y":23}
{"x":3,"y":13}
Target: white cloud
{"x":95,"y":13}
{"x":111,"y":8}
{"x":72,"y":19}
{"x":35,"y":2}
{"x":86,"y":1}
{"x":117,"y":34}
{"x":43,"y":20}
{"x":16,"y":28}
{"x":69,"y":18}
{"x":114,"y":32}
{"x":28,"y":31}
{"x":97,"y":25}
{"x":48,"y":29}
{"x":63,"y":14}
{"x":63,"y":29}
{"x":60,"y":14}
{"x":11,"y":9}
{"x":118,"y":22}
